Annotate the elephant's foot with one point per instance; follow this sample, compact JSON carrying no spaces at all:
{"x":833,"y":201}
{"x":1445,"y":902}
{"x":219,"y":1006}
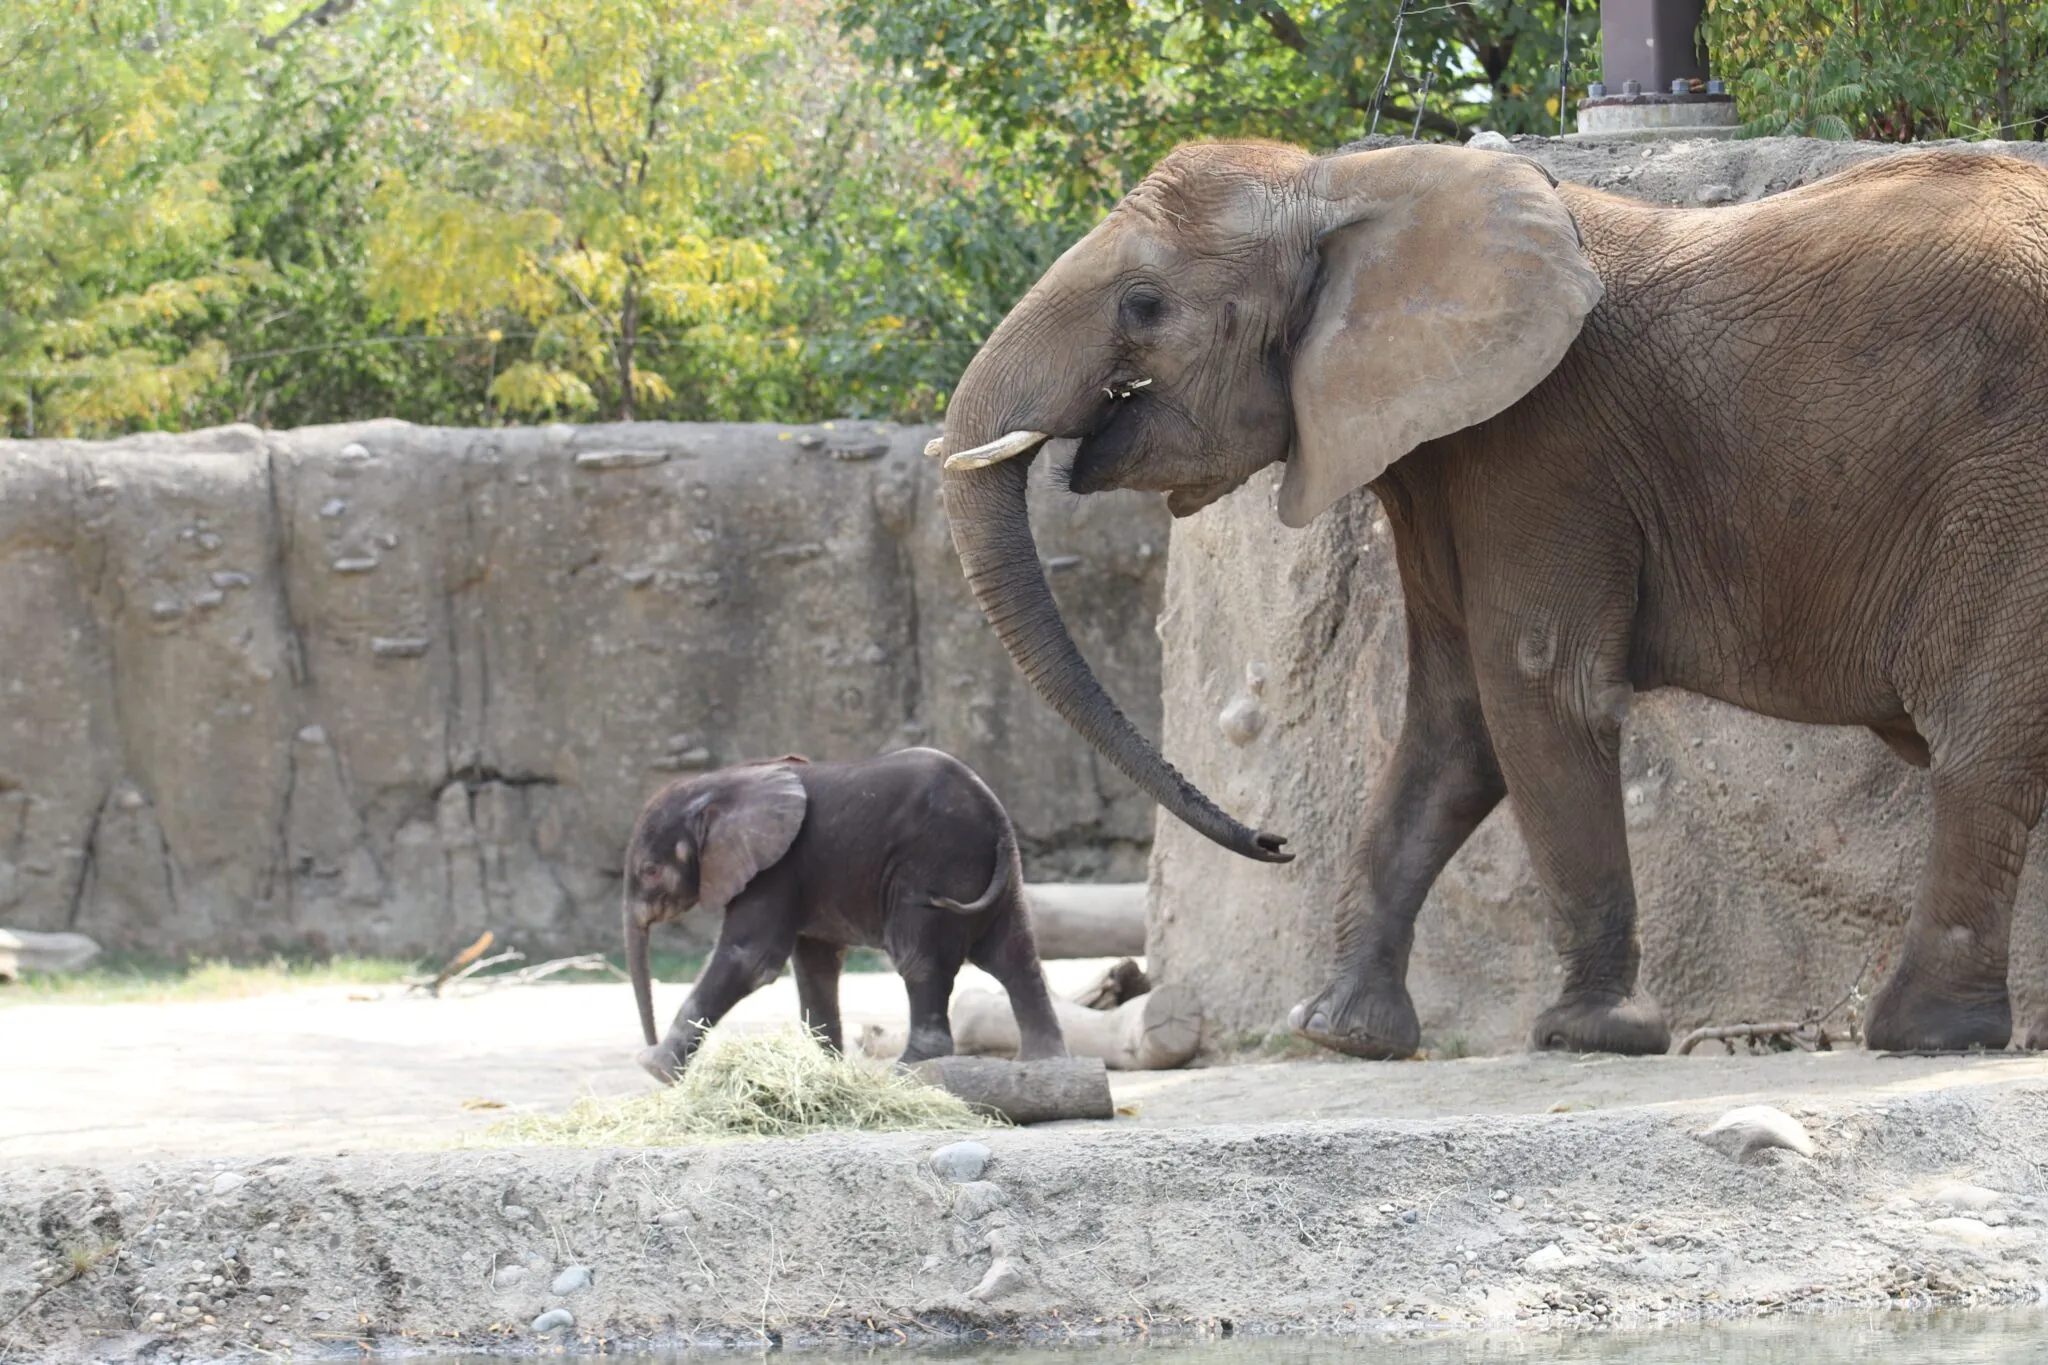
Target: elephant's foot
{"x":2035,"y":1036}
{"x":926,"y":1043}
{"x":1913,"y":1015}
{"x":658,"y":1063}
{"x":1379,"y":1026}
{"x":1633,"y":1026}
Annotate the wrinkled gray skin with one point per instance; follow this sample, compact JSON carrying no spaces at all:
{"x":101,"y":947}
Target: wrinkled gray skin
{"x":1792,"y":455}
{"x":910,"y":853}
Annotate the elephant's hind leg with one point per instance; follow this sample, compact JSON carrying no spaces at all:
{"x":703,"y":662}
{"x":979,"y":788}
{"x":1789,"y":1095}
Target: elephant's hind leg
{"x":1439,"y":784}
{"x":1948,"y":991}
{"x":1008,"y":953}
{"x":817,"y":990}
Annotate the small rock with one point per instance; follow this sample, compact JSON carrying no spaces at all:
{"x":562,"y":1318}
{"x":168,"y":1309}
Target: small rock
{"x":1714,"y":194}
{"x":1754,"y":1128}
{"x":1550,"y":1257}
{"x":961,"y":1161}
{"x":1489,"y":141}
{"x":229,"y":578}
{"x":515,"y":1213}
{"x":208,"y":542}
{"x":977,"y":1199}
{"x":570,"y":1280}
{"x":1974,"y":1198}
{"x":1388,"y":1209}
{"x":1500,"y":1196}
{"x":1516,"y":1203}
{"x":399,"y":647}
{"x":227,"y":1182}
{"x":356,"y":564}
{"x":620,"y":459}
{"x":313,"y":734}
{"x":1242,"y":721}
{"x":354,"y":452}
{"x":166,"y":609}
{"x":1969,"y":1231}
{"x":637,"y":578}
{"x":554,"y":1320}
{"x":333,"y":508}
{"x":1060,"y":562}
{"x":1409,"y":1215}
{"x":208,"y":599}
{"x":509,"y":1276}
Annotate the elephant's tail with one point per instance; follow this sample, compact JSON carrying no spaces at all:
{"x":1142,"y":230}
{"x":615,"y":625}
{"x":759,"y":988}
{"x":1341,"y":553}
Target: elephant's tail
{"x":1006,"y":861}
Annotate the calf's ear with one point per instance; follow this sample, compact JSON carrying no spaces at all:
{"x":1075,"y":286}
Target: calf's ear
{"x":748,"y":825}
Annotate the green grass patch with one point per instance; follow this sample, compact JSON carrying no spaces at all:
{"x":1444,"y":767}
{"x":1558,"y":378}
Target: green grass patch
{"x":115,"y":977}
{"x":138,"y":977}
{"x":750,"y":1086}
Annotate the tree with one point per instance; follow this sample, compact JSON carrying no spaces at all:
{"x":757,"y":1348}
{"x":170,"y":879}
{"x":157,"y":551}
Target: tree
{"x":115,"y":232}
{"x":1094,"y":91}
{"x":1894,"y":70}
{"x":589,"y":142}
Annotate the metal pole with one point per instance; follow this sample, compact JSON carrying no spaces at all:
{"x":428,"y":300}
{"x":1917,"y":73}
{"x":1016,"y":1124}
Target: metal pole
{"x":1564,"y":67}
{"x":1429,"y":76}
{"x":1388,"y":74}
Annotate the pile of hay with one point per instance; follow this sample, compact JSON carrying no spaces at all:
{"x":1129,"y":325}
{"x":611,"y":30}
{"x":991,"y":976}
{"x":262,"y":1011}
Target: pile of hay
{"x":750,"y":1086}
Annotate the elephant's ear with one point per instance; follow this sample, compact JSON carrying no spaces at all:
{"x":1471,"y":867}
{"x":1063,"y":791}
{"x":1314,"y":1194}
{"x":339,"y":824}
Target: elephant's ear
{"x":1452,"y":281}
{"x":748,"y":826}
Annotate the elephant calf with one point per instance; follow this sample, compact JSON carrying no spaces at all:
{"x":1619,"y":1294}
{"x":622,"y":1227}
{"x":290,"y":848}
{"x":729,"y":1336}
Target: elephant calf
{"x":910,"y":853}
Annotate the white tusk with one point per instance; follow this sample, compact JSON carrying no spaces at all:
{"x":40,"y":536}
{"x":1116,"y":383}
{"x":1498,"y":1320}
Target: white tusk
{"x":996,"y":451}
{"x":935,"y":447}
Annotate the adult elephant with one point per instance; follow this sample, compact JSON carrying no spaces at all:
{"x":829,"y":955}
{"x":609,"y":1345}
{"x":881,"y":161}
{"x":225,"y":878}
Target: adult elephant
{"x":1792,"y":455}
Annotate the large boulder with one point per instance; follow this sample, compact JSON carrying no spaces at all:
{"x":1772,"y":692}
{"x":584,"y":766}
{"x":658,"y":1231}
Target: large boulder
{"x":376,"y":688}
{"x":1774,"y":862}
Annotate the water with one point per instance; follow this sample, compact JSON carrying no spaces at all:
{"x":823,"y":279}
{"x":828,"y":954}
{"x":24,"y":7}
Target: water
{"x":2003,"y":1337}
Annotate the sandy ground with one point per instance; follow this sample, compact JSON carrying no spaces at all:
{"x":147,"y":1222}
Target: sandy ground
{"x":214,"y":1180}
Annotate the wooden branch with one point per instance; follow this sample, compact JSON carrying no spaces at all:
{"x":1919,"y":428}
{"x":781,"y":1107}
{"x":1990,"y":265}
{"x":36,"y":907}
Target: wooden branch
{"x":1083,"y":919}
{"x":1156,"y":1031}
{"x":1804,"y":1034}
{"x":1284,"y":29}
{"x":320,"y":16}
{"x":1025,"y":1092}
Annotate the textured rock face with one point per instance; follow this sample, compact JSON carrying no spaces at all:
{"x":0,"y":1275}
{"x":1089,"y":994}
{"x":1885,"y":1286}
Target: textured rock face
{"x":377,"y":688}
{"x":1774,"y":862}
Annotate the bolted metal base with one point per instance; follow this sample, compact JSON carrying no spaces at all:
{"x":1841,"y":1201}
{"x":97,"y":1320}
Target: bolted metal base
{"x":1636,"y":117}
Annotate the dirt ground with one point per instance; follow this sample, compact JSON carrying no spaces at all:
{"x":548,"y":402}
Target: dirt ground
{"x":220,"y":1179}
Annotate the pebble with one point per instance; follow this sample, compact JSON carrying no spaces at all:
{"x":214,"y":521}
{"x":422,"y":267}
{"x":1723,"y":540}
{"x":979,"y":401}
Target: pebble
{"x":1500,"y":1196}
{"x":508,"y":1276}
{"x":1969,"y":1231}
{"x":227,"y":1182}
{"x":554,"y":1320}
{"x":229,"y":578}
{"x":515,"y":1213}
{"x":1409,"y":1215}
{"x":1757,"y":1127}
{"x":1547,"y":1258}
{"x":1387,"y":1208}
{"x":1975,"y":1198}
{"x":353,"y":451}
{"x":961,"y":1161}
{"x":572,"y":1279}
{"x":1515,"y":1203}
{"x":978,"y":1198}
{"x":1489,"y":141}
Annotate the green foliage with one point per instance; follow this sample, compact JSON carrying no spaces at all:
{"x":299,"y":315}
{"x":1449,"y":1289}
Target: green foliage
{"x":467,"y":211}
{"x":1895,"y":70}
{"x":1092,"y":92}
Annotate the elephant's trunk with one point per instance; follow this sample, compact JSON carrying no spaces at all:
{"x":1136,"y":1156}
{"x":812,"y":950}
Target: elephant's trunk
{"x":992,"y":531}
{"x":637,"y":930}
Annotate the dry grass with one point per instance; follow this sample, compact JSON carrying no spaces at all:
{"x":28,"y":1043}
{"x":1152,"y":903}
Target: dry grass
{"x":751,"y":1086}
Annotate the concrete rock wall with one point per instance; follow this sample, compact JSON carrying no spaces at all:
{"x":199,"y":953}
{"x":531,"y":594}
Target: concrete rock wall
{"x":1774,"y":862}
{"x":376,"y":688}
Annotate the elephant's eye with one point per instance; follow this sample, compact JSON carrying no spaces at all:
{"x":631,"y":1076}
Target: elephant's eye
{"x":1142,"y":308}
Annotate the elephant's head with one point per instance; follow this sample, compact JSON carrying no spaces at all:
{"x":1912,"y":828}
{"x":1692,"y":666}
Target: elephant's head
{"x":698,"y":842}
{"x":1247,"y":304}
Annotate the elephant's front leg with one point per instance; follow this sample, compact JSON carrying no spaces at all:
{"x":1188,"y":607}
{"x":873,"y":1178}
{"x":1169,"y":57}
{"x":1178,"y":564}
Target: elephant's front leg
{"x":1556,"y":716}
{"x":1441,"y":781}
{"x":738,"y":967}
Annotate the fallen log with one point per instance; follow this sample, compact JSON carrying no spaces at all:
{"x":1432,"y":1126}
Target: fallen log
{"x":1156,"y":1031}
{"x":1083,"y":919}
{"x":25,"y":950}
{"x":1024,"y":1092}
